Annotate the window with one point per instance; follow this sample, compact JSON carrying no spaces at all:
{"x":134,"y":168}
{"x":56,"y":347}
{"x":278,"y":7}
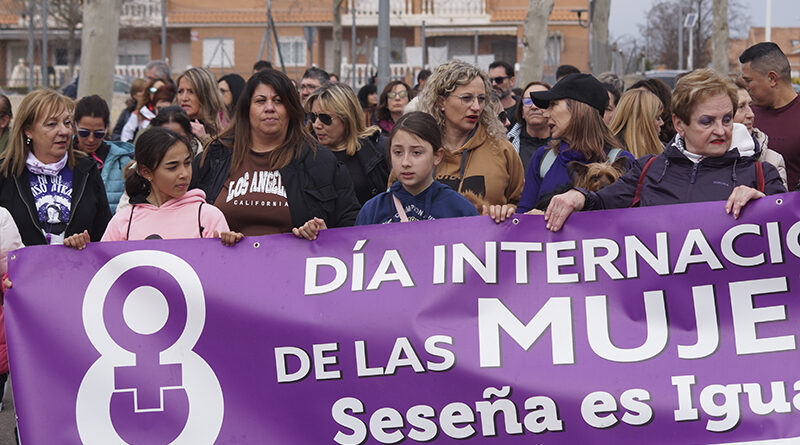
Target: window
{"x":218,"y":53}
{"x":133,"y":52}
{"x":293,"y":50}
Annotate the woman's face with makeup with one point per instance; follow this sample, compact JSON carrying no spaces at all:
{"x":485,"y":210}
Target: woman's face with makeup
{"x":708,"y":132}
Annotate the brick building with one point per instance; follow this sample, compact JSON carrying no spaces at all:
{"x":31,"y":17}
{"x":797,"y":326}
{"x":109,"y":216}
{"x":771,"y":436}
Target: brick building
{"x":788,"y":39}
{"x":229,"y":38}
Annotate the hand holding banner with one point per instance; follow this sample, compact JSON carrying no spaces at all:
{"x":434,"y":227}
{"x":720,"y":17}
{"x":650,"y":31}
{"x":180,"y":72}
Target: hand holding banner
{"x":674,"y":324}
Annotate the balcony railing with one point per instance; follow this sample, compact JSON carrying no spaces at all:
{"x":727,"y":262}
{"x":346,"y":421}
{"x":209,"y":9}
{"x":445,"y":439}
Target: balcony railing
{"x":364,"y":71}
{"x":136,"y":13}
{"x":61,"y":75}
{"x":404,"y":8}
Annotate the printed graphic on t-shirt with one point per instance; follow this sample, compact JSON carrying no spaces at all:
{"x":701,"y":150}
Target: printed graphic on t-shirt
{"x":259,"y":188}
{"x":413,"y":213}
{"x":254,"y":202}
{"x":52,"y":196}
{"x":475,"y":184}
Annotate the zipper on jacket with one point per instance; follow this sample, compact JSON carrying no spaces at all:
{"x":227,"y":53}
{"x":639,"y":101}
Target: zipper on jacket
{"x":694,"y":173}
{"x":75,"y":204}
{"x":30,"y":213}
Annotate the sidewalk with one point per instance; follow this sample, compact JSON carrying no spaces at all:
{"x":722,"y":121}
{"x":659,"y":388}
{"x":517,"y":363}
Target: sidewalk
{"x":7,"y":420}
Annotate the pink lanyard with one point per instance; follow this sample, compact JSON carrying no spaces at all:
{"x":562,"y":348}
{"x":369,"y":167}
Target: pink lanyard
{"x":400,"y":212}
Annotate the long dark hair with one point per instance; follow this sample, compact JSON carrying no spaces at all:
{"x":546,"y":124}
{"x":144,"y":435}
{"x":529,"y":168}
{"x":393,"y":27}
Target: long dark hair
{"x":382,"y":110}
{"x":175,"y":114}
{"x":236,"y":85}
{"x":239,"y":131}
{"x":151,"y":146}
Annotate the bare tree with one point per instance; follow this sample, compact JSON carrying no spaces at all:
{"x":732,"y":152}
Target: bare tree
{"x":719,"y":37}
{"x":99,"y":47}
{"x":602,"y":56}
{"x":661,"y":29}
{"x":534,"y":40}
{"x":337,"y":38}
{"x":67,"y":13}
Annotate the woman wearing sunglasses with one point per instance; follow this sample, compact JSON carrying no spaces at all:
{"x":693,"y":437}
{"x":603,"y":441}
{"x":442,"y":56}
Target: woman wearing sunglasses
{"x":480,"y":163}
{"x":393,"y":100}
{"x":91,"y":124}
{"x":145,"y":110}
{"x":335,"y":118}
{"x":267,"y":174}
{"x":531,"y":130}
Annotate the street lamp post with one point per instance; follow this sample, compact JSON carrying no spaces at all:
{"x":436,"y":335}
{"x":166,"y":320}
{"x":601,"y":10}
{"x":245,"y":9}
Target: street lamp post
{"x":690,"y":23}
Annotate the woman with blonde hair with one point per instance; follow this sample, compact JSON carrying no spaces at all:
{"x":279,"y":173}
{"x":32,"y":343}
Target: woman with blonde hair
{"x":54,"y":193}
{"x":637,"y":122}
{"x":199,"y":96}
{"x":479,"y":161}
{"x":335,"y":117}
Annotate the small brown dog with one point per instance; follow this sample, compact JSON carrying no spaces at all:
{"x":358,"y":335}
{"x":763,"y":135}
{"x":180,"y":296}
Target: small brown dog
{"x":596,"y":175}
{"x":592,"y":177}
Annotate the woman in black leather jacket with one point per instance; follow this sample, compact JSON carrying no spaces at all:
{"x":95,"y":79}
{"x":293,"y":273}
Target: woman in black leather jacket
{"x":267,"y":174}
{"x":336,"y":119}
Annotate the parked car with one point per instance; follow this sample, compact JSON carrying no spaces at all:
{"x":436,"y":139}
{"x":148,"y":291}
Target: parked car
{"x":121,"y":85}
{"x":667,"y":76}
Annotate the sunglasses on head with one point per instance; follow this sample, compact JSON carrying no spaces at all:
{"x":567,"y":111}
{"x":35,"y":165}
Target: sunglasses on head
{"x":98,"y":134}
{"x":152,"y":90}
{"x":326,"y":119}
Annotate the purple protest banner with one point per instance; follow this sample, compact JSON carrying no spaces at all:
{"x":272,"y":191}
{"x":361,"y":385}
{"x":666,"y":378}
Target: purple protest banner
{"x":664,"y":325}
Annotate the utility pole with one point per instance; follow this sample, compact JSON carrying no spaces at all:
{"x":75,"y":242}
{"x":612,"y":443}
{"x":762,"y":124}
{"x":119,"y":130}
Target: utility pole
{"x":31,"y":44}
{"x":353,"y":55}
{"x":45,"y":80}
{"x":680,"y":36}
{"x":424,"y":47}
{"x":384,"y":44}
{"x":768,"y":25}
{"x":164,"y":30}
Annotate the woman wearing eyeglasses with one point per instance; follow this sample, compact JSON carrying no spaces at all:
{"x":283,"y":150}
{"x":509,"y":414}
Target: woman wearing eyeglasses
{"x":267,"y":174}
{"x":480,"y":163}
{"x":54,"y":192}
{"x":393,"y":100}
{"x":531,"y":130}
{"x":335,"y":118}
{"x":91,"y":122}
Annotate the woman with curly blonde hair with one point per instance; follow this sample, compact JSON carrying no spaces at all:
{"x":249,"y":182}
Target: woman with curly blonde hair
{"x":637,"y":122}
{"x":336,"y":119}
{"x":479,"y":158}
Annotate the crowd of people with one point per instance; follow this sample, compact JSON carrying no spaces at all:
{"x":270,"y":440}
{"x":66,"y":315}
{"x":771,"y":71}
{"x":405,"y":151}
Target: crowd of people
{"x":201,"y":157}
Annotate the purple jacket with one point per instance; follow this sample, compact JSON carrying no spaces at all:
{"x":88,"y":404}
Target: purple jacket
{"x":674,"y":179}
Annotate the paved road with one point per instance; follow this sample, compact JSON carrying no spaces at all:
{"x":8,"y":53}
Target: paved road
{"x":7,"y":420}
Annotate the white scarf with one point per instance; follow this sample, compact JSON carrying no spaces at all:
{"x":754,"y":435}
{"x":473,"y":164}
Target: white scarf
{"x":38,"y":167}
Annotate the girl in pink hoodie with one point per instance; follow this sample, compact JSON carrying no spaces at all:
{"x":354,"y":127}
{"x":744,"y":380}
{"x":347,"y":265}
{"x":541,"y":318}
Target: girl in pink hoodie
{"x":161,"y":207}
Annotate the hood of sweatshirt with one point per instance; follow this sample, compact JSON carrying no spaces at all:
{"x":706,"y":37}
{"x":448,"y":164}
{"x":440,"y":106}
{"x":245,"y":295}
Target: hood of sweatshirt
{"x":192,"y":197}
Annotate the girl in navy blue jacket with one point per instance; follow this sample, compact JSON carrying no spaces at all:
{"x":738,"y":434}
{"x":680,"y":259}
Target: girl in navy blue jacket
{"x":415,"y":149}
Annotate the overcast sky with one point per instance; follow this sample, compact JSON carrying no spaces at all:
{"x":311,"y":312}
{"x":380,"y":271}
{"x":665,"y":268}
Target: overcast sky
{"x":626,"y":15}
